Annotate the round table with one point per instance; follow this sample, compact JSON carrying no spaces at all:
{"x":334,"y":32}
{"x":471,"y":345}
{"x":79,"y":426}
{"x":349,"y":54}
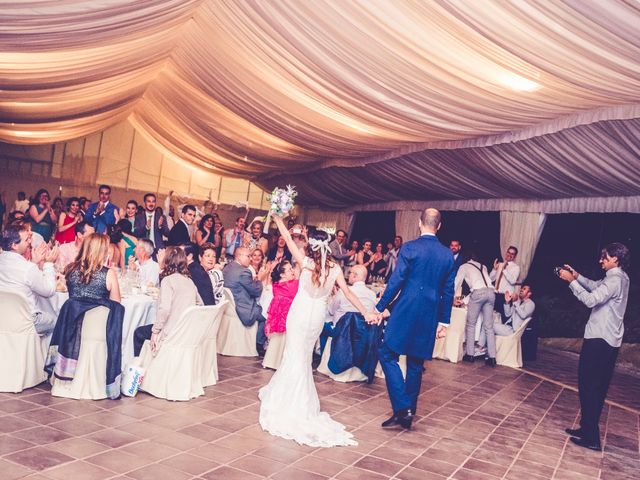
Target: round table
{"x":139,"y":310}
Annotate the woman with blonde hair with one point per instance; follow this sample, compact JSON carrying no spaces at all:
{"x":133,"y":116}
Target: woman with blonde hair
{"x":177,"y":293}
{"x":289,"y":406}
{"x":88,"y":277}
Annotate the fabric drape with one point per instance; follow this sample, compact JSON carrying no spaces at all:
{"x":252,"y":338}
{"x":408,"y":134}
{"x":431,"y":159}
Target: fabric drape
{"x":407,"y":224}
{"x":353,"y":102}
{"x":522,"y":230}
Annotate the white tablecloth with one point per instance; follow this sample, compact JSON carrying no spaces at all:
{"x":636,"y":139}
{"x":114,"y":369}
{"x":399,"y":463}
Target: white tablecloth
{"x":138,"y":310}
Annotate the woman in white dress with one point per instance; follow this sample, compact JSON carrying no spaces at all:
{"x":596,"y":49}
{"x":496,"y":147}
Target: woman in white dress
{"x":290,"y":407}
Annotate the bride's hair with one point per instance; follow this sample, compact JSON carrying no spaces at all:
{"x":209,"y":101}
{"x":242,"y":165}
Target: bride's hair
{"x":319,"y":240}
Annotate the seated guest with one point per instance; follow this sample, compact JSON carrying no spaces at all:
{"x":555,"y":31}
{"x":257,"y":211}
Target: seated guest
{"x":208,"y":262}
{"x":26,"y":278}
{"x":279,"y":251}
{"x":198,"y":274}
{"x":115,"y":238}
{"x":41,"y":215}
{"x":177,"y":293}
{"x":285,"y":287}
{"x":91,"y":284}
{"x":179,"y":234}
{"x":67,"y":221}
{"x":147,"y":268}
{"x":379,"y":266}
{"x":127,"y":244}
{"x":518,"y":309}
{"x":246,"y":292}
{"x":88,"y":277}
{"x":339,"y":305}
{"x":258,"y":269}
{"x":69,"y":251}
{"x":21,"y":204}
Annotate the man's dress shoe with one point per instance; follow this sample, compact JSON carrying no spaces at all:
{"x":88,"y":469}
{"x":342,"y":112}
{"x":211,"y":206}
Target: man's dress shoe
{"x":391,"y":422}
{"x":490,"y":361}
{"x":574,"y":432}
{"x":590,"y":444}
{"x":468,"y":358}
{"x":404,"y":418}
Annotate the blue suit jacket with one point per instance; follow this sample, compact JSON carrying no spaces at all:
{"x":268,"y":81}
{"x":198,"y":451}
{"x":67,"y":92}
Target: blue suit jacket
{"x":424,"y":279}
{"x":100,"y":222}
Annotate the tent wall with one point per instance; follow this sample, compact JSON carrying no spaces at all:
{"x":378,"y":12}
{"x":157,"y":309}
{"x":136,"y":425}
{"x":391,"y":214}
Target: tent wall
{"x":120,"y":157}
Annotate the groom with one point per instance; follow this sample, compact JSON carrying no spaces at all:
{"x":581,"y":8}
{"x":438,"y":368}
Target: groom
{"x":424,"y":278}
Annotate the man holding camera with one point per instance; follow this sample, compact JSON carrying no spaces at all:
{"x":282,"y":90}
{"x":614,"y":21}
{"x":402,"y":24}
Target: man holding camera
{"x":602,"y":336}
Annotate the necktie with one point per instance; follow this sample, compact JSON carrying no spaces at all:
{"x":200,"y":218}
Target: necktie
{"x":499,"y":277}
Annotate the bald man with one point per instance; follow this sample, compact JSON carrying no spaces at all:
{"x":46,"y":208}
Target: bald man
{"x":340,"y":305}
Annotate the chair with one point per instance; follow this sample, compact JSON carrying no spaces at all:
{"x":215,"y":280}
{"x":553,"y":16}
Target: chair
{"x":234,"y":339}
{"x":177,"y":372}
{"x":402,"y":362}
{"x":210,"y":348}
{"x":450,"y":347}
{"x":273,"y":355}
{"x":22,"y":350}
{"x":509,"y":348}
{"x":353,"y":374}
{"x":90,"y":379}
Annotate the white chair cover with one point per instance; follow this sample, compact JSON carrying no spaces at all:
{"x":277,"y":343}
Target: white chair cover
{"x":402,"y":361}
{"x":176,"y":372}
{"x":22,"y":350}
{"x":234,"y":339}
{"x":273,"y":355}
{"x":450,"y":347}
{"x":509,"y":348}
{"x":353,"y":374}
{"x":210,"y":348}
{"x":90,"y":380}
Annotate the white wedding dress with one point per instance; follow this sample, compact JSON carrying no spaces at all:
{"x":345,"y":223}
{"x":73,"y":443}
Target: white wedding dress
{"x":290,"y":407}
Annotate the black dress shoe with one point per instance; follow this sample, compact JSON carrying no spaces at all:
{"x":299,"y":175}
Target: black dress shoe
{"x":490,"y":361}
{"x":468,"y":358}
{"x":391,"y":422}
{"x":574,"y":432}
{"x":405,"y":417}
{"x":590,"y":444}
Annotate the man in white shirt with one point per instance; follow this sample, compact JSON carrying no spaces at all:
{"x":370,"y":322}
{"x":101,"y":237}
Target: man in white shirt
{"x":481,"y":301}
{"x":149,"y":270}
{"x":28,"y":279}
{"x":69,"y":251}
{"x":340,"y":305}
{"x":505,"y":275}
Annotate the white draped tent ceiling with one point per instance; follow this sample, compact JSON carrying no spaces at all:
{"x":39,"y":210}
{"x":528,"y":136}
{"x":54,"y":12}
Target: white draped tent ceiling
{"x":354,"y":102}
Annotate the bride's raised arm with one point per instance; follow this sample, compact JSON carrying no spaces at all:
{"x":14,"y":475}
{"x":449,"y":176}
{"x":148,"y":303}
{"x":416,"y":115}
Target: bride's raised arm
{"x":293,"y":248}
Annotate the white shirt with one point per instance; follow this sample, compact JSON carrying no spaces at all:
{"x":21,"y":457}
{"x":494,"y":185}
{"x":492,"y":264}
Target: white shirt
{"x":150,"y":221}
{"x":21,"y":276}
{"x":149,"y":272}
{"x":340,"y":305}
{"x":469,"y":272}
{"x":509,"y":278}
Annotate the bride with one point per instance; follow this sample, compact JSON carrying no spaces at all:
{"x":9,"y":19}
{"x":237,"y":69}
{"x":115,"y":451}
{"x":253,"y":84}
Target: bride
{"x":290,"y":407}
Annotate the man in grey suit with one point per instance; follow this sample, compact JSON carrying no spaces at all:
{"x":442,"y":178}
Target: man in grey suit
{"x":246,"y":292}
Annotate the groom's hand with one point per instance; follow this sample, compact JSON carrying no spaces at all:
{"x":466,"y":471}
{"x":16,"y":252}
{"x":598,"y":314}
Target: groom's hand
{"x":441,"y":332}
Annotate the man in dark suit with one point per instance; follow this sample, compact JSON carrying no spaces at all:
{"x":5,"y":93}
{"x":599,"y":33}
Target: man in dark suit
{"x":102,"y":213}
{"x":180,"y":231}
{"x":424,"y":279}
{"x":149,"y":225}
{"x":246,"y":292}
{"x":455,"y":246}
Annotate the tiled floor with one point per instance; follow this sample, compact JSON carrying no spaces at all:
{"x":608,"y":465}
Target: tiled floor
{"x":475,"y":423}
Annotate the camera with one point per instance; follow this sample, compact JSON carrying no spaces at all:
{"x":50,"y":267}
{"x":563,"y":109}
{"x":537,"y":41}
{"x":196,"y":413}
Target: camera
{"x":557,"y":270}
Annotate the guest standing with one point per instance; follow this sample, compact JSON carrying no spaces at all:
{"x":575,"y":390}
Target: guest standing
{"x":67,"y":221}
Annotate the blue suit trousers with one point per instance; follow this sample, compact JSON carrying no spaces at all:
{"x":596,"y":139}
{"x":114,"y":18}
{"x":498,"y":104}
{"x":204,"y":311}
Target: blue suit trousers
{"x":402,"y":392}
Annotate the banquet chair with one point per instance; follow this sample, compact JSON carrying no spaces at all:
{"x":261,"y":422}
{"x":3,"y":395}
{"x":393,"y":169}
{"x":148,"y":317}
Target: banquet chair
{"x":402,"y":362}
{"x":176,"y":371}
{"x":22,"y":350}
{"x":509,"y":348}
{"x":275,"y":349}
{"x":90,"y":379}
{"x":353,"y":374}
{"x":234,"y":339}
{"x":210,"y":346}
{"x":450,"y":347}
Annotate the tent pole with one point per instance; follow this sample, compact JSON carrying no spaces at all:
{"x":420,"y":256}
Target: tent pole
{"x":160,"y":175}
{"x":95,"y":177}
{"x":133,"y":142}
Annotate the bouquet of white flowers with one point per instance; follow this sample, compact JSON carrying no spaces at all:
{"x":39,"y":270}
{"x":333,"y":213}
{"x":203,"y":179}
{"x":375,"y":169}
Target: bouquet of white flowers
{"x":281,"y":203}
